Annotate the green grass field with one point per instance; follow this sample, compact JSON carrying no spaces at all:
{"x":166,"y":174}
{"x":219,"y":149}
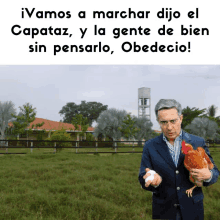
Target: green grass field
{"x":72,"y":150}
{"x":43,"y":185}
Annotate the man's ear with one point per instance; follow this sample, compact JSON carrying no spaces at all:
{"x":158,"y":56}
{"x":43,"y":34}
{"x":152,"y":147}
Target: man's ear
{"x":181,"y":118}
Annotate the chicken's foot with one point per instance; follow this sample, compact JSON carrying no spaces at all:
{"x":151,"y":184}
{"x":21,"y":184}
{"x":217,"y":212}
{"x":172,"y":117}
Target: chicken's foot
{"x":189,"y":191}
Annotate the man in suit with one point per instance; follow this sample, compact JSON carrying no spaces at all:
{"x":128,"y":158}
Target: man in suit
{"x":163,"y":155}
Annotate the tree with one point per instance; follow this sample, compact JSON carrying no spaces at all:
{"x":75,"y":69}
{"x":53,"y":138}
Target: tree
{"x":145,"y":128}
{"x":6,"y":111}
{"x":80,"y":123}
{"x":108,"y":123}
{"x":212,"y":110}
{"x":154,"y":134}
{"x":61,"y":135}
{"x":128,"y":128}
{"x":211,"y":114}
{"x":203,"y":127}
{"x":189,"y":114}
{"x":23,"y":119}
{"x":91,"y":110}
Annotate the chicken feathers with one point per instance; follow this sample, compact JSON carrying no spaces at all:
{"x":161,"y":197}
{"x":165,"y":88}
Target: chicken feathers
{"x":195,"y":159}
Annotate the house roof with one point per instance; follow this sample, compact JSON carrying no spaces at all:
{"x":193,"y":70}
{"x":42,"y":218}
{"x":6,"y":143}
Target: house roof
{"x":52,"y":125}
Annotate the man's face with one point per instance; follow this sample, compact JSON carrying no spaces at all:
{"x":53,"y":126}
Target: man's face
{"x":170,"y":122}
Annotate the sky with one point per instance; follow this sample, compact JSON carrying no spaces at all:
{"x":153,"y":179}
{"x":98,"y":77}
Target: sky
{"x":49,"y":88}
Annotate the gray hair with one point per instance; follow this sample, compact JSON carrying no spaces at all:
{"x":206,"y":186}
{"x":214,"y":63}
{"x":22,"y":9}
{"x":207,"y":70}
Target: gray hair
{"x":168,"y":104}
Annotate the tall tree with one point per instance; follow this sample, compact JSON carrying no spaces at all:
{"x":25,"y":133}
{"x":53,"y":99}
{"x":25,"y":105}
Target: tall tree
{"x":204,"y":127}
{"x":190,"y":113}
{"x":108,"y":123}
{"x":211,"y":114}
{"x":144,"y":128}
{"x":23,"y":119}
{"x":212,"y":110}
{"x":128,"y":127}
{"x":6,"y":111}
{"x":91,"y":110}
{"x":80,"y":123}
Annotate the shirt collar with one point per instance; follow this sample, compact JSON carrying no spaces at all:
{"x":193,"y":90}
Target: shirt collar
{"x":178,"y":137}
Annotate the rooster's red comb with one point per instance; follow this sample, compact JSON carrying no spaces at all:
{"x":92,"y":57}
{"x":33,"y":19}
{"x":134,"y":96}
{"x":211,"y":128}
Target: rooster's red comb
{"x":185,"y":148}
{"x":183,"y":143}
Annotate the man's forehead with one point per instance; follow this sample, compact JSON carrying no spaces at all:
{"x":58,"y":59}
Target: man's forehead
{"x":167,"y":119}
{"x":167,"y":114}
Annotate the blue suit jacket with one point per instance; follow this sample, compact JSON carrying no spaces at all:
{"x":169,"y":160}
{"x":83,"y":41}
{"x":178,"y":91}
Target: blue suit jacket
{"x":175,"y":180}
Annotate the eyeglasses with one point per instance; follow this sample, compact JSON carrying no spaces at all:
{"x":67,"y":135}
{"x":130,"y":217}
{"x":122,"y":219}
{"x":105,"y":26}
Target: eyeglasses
{"x":173,"y":122}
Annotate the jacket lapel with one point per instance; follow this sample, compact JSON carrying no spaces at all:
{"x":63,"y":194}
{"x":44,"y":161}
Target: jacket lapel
{"x":163,"y":150}
{"x":187,"y":139}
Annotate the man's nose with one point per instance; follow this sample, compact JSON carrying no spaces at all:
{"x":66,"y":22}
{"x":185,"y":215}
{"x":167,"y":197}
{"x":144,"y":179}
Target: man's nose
{"x":169,"y":126}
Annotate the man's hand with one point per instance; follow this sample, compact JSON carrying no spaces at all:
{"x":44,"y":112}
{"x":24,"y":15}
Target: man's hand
{"x":155,"y":182}
{"x":201,"y":174}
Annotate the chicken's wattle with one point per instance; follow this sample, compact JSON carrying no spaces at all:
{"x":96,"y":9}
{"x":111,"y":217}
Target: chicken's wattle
{"x":185,"y":149}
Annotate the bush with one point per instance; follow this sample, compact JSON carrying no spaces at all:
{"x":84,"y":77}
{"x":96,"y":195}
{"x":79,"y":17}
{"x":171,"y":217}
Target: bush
{"x":60,"y":135}
{"x":88,"y":141}
{"x":90,"y":137}
{"x":40,"y":137}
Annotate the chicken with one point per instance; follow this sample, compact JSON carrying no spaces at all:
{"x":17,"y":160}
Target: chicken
{"x":195,"y":159}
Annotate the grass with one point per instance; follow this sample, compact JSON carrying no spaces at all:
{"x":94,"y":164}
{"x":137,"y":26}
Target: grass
{"x":72,"y":150}
{"x":80,"y":186}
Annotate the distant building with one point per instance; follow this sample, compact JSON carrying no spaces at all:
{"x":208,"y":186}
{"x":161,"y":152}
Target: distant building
{"x":51,"y":126}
